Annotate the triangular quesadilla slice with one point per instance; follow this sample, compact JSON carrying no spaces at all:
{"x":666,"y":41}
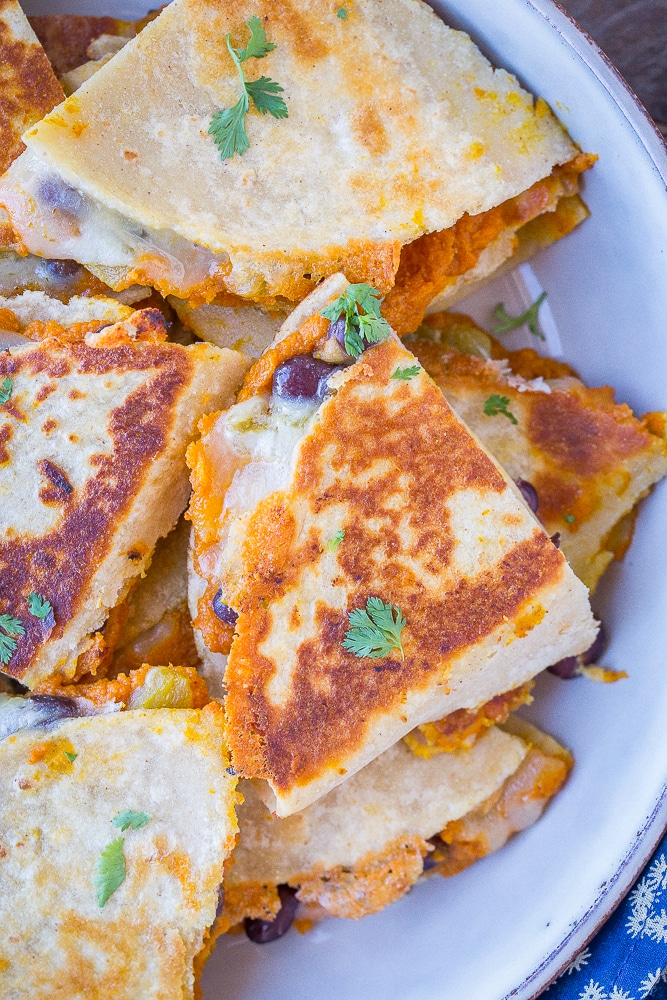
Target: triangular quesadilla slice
{"x":341,"y":170}
{"x":367,"y":842}
{"x":92,"y":442}
{"x":375,"y":566}
{"x":582,"y":459}
{"x":114,"y":830}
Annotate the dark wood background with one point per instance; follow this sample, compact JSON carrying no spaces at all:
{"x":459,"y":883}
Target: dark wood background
{"x":633,"y":33}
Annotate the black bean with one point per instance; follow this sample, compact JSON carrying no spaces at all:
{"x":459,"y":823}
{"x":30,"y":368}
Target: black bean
{"x":58,"y":272}
{"x":571,"y":666}
{"x":223,"y":611}
{"x":303,"y":378}
{"x":529,"y":493}
{"x":592,"y":654}
{"x":566,"y":669}
{"x":58,"y":195}
{"x":337,"y":330}
{"x":435,"y":857}
{"x":263,"y":931}
{"x":556,"y":539}
{"x":36,"y":712}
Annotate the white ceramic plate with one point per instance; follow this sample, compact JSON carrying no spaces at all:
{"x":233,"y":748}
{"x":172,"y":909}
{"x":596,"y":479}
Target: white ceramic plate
{"x":510,"y":924}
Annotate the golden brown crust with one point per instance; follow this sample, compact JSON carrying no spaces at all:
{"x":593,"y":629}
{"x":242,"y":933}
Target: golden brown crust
{"x":138,"y":430}
{"x":29,"y":86}
{"x":588,"y":457}
{"x":334,"y":698}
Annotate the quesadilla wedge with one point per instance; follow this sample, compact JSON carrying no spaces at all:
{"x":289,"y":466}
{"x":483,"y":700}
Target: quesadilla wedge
{"x":92,"y":473}
{"x":587,"y":459}
{"x":432,"y":140}
{"x":374,"y":565}
{"x":29,"y":90}
{"x":114,"y":830}
{"x":364,"y":844}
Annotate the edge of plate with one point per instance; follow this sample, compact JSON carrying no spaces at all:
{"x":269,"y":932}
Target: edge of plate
{"x":611,"y":893}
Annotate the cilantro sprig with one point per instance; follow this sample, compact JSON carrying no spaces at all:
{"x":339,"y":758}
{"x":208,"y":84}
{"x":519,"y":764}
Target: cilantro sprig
{"x":130,"y":820}
{"x":376,"y":630}
{"x":38,"y":605}
{"x":6,"y":387}
{"x":10,"y":629}
{"x":405,"y":374}
{"x":228,"y":124}
{"x":498,"y":404}
{"x":334,"y":542}
{"x":507,"y":322}
{"x":109,"y":871}
{"x":364,"y":325}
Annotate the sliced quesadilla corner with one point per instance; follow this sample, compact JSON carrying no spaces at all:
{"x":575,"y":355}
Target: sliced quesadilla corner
{"x":429,"y":178}
{"x":367,"y":565}
{"x":93,"y":437}
{"x":135,"y":813}
{"x":587,"y":458}
{"x":365,"y":843}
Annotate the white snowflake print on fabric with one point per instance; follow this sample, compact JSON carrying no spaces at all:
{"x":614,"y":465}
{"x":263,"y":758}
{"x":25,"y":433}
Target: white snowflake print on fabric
{"x":645,"y":920}
{"x":656,"y":927}
{"x":617,"y":994}
{"x":647,"y":984}
{"x":577,"y":963}
{"x":593,"y":992}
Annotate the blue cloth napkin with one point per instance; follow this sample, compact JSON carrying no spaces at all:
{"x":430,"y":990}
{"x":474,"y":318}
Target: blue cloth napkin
{"x":627,"y":958}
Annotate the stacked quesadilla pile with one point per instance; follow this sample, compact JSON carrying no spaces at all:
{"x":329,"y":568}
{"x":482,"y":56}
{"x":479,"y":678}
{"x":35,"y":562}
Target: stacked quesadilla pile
{"x":205,"y":277}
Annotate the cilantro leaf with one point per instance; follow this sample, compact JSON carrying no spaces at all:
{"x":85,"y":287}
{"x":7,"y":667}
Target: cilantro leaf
{"x":38,"y":605}
{"x":361,"y":328}
{"x":6,"y":390}
{"x":263,"y":93}
{"x":11,"y":628}
{"x":341,"y":13}
{"x":109,"y":871}
{"x":498,"y":404}
{"x":570,"y":518}
{"x":70,"y":756}
{"x":258,"y":46}
{"x":508,"y":322}
{"x":334,"y":542}
{"x":405,"y":374}
{"x":374,"y":631}
{"x":228,"y":124}
{"x":228,"y":129}
{"x":130,"y":820}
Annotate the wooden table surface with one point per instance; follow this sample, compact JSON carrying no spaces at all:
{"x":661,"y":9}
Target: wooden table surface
{"x":633,"y":33}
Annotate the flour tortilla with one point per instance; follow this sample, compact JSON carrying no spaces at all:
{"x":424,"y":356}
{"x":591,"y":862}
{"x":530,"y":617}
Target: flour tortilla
{"x":56,"y":817}
{"x":397,"y":127}
{"x":432,"y":526}
{"x":93,"y":473}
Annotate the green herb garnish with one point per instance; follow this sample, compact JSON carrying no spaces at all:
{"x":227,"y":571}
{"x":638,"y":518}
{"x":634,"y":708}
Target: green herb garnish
{"x":405,"y":374}
{"x":109,"y":871}
{"x":39,"y":606}
{"x":6,"y":390}
{"x":570,"y":518}
{"x":508,"y":322}
{"x":228,"y":124}
{"x":129,"y":820}
{"x":367,"y":325}
{"x":11,"y":628}
{"x":375,"y":631}
{"x":341,"y":13}
{"x":334,"y":542}
{"x":70,"y":756}
{"x":498,"y":404}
